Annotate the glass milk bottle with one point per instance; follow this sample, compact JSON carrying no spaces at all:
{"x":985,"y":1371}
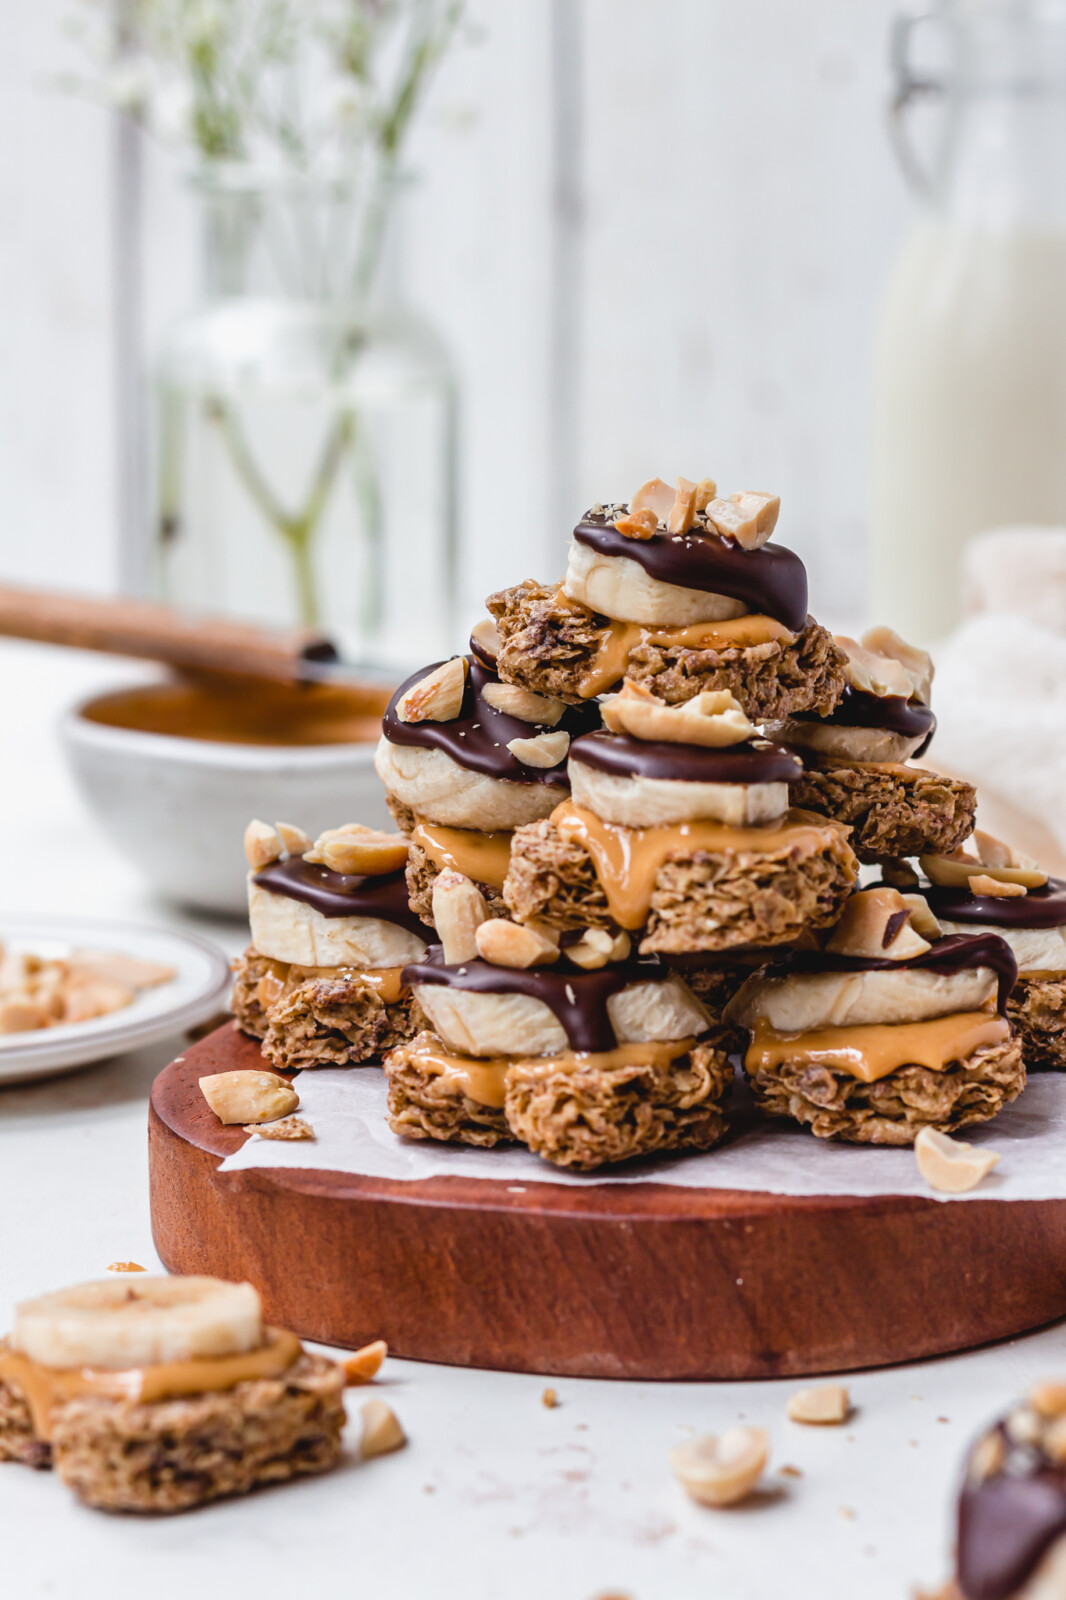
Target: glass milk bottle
{"x":970,"y":358}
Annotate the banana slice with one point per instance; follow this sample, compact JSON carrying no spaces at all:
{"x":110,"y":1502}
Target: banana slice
{"x":620,"y":588}
{"x":116,"y":1323}
{"x":291,"y":930}
{"x":640,"y":802}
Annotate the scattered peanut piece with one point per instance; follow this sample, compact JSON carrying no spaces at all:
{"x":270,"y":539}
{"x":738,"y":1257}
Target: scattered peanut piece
{"x":249,"y":1096}
{"x":283,"y":1128}
{"x":382,"y":1432}
{"x":125,"y":1266}
{"x":723,"y":1469}
{"x":654,"y":496}
{"x":950,"y":1165}
{"x":981,"y":883}
{"x":364,"y":1364}
{"x":549,"y":1399}
{"x":369,"y":853}
{"x":485,"y":638}
{"x":713,"y":718}
{"x":790,"y":1472}
{"x":637,"y":524}
{"x":877,"y":923}
{"x":295,"y":840}
{"x":596,"y":947}
{"x":826,"y":1403}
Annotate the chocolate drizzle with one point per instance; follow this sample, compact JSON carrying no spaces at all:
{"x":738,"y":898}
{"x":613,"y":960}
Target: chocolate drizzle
{"x":477,"y":738}
{"x":857,"y":709}
{"x":952,"y":954}
{"x":756,"y":761}
{"x":343,"y":894}
{"x":771,"y":581}
{"x":1039,"y":908}
{"x":1007,"y":1523}
{"x":578,"y":999}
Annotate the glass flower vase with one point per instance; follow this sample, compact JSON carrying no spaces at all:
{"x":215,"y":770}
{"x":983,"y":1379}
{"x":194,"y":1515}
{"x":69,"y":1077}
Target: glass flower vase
{"x":305,"y":453}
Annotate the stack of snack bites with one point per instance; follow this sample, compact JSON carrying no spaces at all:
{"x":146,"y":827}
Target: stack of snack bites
{"x":577,"y":1049}
{"x":634,"y":815}
{"x":466,"y":759}
{"x":332,"y":929}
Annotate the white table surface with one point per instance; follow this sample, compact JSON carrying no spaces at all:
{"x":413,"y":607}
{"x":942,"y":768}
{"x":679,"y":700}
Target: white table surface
{"x":495,"y":1495}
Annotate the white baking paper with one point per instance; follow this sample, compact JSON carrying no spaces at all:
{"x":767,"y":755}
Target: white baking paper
{"x":347,"y":1111}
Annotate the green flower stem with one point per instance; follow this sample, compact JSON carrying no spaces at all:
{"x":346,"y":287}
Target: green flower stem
{"x":298,"y":529}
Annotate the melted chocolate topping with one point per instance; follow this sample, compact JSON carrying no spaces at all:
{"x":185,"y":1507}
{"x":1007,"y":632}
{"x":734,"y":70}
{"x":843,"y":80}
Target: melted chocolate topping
{"x":477,"y":738}
{"x":1039,"y":908}
{"x":857,"y":709}
{"x":343,"y":894}
{"x":1007,"y":1523}
{"x":771,"y":581}
{"x":584,"y":1016}
{"x":623,"y":757}
{"x":952,"y":954}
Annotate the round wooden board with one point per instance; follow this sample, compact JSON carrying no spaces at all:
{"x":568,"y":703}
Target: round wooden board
{"x":612,"y":1281}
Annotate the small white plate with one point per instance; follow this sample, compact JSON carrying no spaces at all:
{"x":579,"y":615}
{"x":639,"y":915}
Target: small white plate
{"x":197,"y":990}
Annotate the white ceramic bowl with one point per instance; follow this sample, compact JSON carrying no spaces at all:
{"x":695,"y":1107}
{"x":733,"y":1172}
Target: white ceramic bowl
{"x":177,"y":807}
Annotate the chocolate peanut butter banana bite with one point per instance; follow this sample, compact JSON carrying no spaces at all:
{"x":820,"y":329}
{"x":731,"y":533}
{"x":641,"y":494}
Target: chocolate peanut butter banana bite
{"x":678,"y":591}
{"x":888,"y":1030}
{"x":466,"y":759}
{"x":855,"y":759}
{"x":576,"y":1049}
{"x":990,"y":888}
{"x":1011,"y":1542}
{"x":678,"y":831}
{"x":161,"y":1394}
{"x":320,"y":984}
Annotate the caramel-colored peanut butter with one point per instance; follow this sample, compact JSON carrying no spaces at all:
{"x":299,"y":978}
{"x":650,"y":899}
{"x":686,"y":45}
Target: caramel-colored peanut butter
{"x":47,"y":1387}
{"x":736,"y":633}
{"x":284,"y":977}
{"x":872,"y":1052}
{"x":1034,"y":974}
{"x":485,"y":1082}
{"x":246,"y":711}
{"x":482,"y":857}
{"x":628,"y":860}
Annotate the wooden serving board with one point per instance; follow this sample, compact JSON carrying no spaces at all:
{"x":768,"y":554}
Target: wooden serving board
{"x":613,"y":1281}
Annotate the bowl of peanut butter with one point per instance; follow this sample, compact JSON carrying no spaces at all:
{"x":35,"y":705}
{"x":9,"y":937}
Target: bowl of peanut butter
{"x":172,"y":769}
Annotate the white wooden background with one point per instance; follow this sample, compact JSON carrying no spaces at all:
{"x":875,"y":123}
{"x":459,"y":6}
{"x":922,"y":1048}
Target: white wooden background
{"x":658,"y":233}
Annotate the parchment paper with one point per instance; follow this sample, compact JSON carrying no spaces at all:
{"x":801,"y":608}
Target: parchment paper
{"x":347,"y":1111}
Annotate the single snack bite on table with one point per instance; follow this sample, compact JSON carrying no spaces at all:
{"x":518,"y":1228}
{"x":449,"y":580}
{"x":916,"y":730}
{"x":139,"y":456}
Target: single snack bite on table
{"x":990,"y":888}
{"x":678,"y":827}
{"x":856,"y":757}
{"x":578,"y":1050}
{"x":885,"y":1031}
{"x":160,"y":1394}
{"x":678,"y":591}
{"x":320,"y":984}
{"x":466,"y":759}
{"x":1011,"y":1528}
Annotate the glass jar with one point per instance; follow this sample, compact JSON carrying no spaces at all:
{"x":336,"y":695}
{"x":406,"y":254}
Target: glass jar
{"x":970,"y":358}
{"x":306,"y":444}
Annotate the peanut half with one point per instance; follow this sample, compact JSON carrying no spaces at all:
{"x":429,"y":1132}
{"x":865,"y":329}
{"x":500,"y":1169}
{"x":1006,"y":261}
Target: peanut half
{"x":438,"y":696}
{"x":523,"y":703}
{"x":713,"y":718}
{"x":597,"y":947}
{"x":382,"y":1432}
{"x":459,"y":909}
{"x":877,"y":923}
{"x":365,"y":1364}
{"x":369,"y":853}
{"x":249,"y":1096}
{"x":506,"y":944}
{"x":543,"y":750}
{"x":749,"y":518}
{"x":721,"y":1469}
{"x":262,"y":844}
{"x":950,"y":1165}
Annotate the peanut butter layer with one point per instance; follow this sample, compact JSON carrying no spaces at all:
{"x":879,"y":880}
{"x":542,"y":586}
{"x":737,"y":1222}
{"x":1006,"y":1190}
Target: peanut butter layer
{"x":873,"y":1051}
{"x":320,"y":1017}
{"x":482,"y":857}
{"x":891,"y":1110}
{"x":756,"y":892}
{"x":47,"y":1388}
{"x":555,"y":645}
